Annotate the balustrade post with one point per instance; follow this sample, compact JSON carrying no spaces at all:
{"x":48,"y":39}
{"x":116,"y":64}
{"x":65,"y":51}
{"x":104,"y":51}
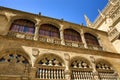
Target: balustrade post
{"x":62,"y":35}
{"x":95,"y":72}
{"x":83,"y":39}
{"x":37,"y":26}
{"x":67,"y":69}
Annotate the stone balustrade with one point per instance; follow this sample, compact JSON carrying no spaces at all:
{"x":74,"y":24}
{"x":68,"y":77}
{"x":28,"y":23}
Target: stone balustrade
{"x":53,"y":40}
{"x":21,"y":35}
{"x":49,"y":72}
{"x":74,"y":44}
{"x":49,"y":40}
{"x":95,"y":47}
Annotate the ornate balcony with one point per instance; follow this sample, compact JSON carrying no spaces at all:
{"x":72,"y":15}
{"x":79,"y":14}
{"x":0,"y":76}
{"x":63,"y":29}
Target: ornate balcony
{"x":85,"y":74}
{"x":50,"y":72}
{"x":21,"y":35}
{"x":81,"y":70}
{"x":74,"y":44}
{"x":49,"y":39}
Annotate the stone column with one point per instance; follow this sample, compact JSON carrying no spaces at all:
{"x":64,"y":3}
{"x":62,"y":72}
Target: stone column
{"x":62,"y":35}
{"x":36,"y":34}
{"x":37,"y":26}
{"x":33,"y":72}
{"x":83,"y":39}
{"x":95,"y":73}
{"x":67,"y":67}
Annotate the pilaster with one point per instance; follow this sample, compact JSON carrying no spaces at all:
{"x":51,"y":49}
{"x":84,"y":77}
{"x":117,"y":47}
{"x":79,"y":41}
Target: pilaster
{"x":62,"y":35}
{"x":95,"y":73}
{"x":37,"y":26}
{"x":67,"y":68}
{"x":83,"y":38}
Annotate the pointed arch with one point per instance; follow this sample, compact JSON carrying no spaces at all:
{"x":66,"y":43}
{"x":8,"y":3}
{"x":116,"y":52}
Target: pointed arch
{"x":15,"y":51}
{"x":14,"y":62}
{"x":49,"y":56}
{"x":105,"y":70}
{"x":50,"y":65}
{"x":81,"y":67}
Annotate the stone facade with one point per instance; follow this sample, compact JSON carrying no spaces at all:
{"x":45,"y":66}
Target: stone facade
{"x":25,"y":56}
{"x":109,"y":21}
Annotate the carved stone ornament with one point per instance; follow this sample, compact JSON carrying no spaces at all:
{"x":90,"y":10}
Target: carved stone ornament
{"x":9,"y":15}
{"x":35,"y":52}
{"x":92,"y":59}
{"x":66,"y":56}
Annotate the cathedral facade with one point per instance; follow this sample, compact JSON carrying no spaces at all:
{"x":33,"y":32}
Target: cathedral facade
{"x":108,"y":20}
{"x":36,"y":47}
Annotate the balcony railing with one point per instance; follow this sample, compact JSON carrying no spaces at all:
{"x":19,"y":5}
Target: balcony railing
{"x":21,"y":35}
{"x":82,"y":74}
{"x":50,"y":73}
{"x":49,"y":39}
{"x":95,"y":47}
{"x":74,"y":44}
{"x":52,"y":40}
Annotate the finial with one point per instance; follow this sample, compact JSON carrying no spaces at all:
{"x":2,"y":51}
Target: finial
{"x":88,"y":22}
{"x":101,"y":13}
{"x":39,"y":13}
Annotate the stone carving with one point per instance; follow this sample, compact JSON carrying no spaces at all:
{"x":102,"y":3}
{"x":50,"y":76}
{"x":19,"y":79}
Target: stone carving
{"x":50,"y":61}
{"x":9,"y":15}
{"x":67,"y":56}
{"x":35,"y":52}
{"x":92,"y":59}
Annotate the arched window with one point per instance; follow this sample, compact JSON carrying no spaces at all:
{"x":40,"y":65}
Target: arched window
{"x":49,"y":30}
{"x":106,"y":71}
{"x":81,"y":69}
{"x":23,"y":25}
{"x":50,"y":67}
{"x":72,"y":35}
{"x":14,"y":64}
{"x":90,"y":39}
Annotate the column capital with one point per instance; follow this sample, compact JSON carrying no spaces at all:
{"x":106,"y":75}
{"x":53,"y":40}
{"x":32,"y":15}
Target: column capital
{"x":81,"y":32}
{"x":61,"y":27}
{"x":37,"y":22}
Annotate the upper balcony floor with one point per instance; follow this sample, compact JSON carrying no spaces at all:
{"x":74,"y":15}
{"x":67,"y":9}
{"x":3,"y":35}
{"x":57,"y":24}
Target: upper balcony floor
{"x":18,"y":24}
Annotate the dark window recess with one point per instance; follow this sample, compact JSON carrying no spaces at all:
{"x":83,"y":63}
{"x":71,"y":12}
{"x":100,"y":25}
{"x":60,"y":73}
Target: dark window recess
{"x":22,"y":25}
{"x":90,"y":39}
{"x":49,"y":30}
{"x":72,"y":35}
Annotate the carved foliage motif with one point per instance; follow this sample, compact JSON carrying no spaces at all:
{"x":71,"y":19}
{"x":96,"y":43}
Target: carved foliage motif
{"x":80,"y":63}
{"x":51,"y":60}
